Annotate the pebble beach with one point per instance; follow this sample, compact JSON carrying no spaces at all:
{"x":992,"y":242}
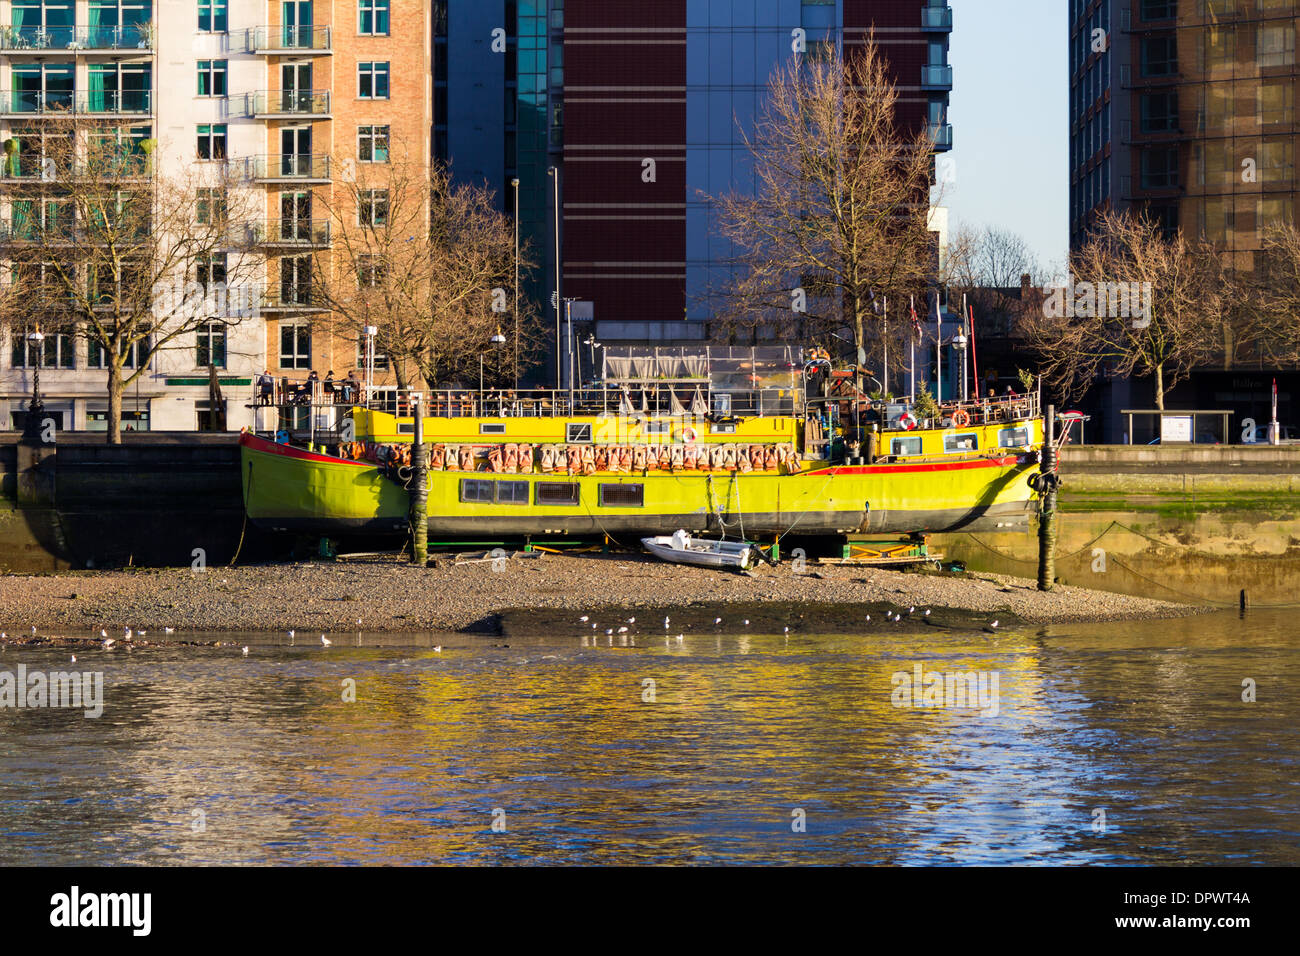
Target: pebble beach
{"x":538,"y":591}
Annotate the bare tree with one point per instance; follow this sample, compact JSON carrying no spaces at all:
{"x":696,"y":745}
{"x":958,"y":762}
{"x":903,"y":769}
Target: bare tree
{"x":1265,"y":326}
{"x":1139,"y":304}
{"x":429,"y":264}
{"x":105,"y":247}
{"x":838,"y":217}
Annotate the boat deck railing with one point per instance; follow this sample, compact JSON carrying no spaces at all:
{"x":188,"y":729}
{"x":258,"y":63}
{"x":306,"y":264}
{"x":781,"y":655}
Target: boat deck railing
{"x":660,"y":400}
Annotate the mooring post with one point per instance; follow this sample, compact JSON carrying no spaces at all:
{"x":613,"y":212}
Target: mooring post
{"x":1048,"y":480}
{"x":419,"y":490}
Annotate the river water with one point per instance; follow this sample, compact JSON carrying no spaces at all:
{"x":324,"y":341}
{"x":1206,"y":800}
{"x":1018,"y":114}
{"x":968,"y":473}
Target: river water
{"x":1118,"y":743}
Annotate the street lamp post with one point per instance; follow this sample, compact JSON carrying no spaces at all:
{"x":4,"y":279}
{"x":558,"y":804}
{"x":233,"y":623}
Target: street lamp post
{"x":35,"y":407}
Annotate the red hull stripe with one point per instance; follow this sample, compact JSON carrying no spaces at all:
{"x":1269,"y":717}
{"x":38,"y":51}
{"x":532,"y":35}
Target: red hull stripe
{"x":252,"y":441}
{"x":913,"y":469}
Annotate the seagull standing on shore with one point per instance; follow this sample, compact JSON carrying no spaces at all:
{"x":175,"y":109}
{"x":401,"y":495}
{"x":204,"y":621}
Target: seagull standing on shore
{"x":245,"y":650}
{"x":584,"y":619}
{"x":103,"y":633}
{"x":631,"y":620}
{"x":291,"y":635}
{"x":169,"y":630}
{"x":325,"y":641}
{"x":127,"y":636}
{"x":108,"y":643}
{"x":665,"y":624}
{"x":717,"y":621}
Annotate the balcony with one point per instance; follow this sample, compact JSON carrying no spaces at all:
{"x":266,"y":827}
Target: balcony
{"x":941,"y":136}
{"x":290,"y":298}
{"x":66,"y":103}
{"x":42,"y":41}
{"x":270,"y":104}
{"x":293,"y":167}
{"x":284,"y":39}
{"x":33,"y":168}
{"x":936,"y":19}
{"x":290,"y":233}
{"x":936,"y":77}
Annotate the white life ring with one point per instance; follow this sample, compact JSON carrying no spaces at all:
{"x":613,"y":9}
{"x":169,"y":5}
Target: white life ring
{"x":689,"y":435}
{"x":907,"y":421}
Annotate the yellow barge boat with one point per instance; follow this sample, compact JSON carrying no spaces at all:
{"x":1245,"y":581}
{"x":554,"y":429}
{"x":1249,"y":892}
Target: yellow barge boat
{"x":649,"y":454}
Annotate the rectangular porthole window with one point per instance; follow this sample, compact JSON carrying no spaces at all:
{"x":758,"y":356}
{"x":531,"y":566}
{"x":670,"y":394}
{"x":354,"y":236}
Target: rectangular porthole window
{"x":577,"y":433}
{"x":622,"y":496}
{"x":956,"y":444}
{"x":496,"y":428}
{"x":1013,"y":437}
{"x":658,"y":428}
{"x":471,"y":489}
{"x":557,"y":492}
{"x":905,"y":446}
{"x":511,"y":492}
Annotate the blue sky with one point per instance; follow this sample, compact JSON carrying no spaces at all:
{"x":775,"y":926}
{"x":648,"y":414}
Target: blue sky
{"x":1010,"y":116}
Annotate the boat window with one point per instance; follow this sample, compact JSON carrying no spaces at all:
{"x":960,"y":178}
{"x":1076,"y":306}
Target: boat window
{"x":512,"y":492}
{"x":406,"y":428}
{"x":905,"y":446}
{"x":577,"y":433}
{"x":622,"y":496}
{"x":722,"y":429}
{"x":557,"y":492}
{"x":1013,"y":437}
{"x":495,"y":428}
{"x":966,"y":441}
{"x":658,"y":428}
{"x":472,"y":489}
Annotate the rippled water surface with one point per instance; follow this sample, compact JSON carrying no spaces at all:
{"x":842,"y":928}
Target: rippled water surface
{"x":203,"y":755}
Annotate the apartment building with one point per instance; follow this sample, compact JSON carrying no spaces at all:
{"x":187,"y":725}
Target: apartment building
{"x":282,"y":98}
{"x":595,"y":88}
{"x":1185,"y":109}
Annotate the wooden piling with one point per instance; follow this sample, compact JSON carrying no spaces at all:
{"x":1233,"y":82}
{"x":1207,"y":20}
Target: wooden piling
{"x":1048,"y":480}
{"x":419,"y":491}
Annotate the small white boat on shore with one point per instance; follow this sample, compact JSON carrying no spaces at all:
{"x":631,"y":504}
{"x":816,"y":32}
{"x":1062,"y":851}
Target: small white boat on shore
{"x":681,"y":548}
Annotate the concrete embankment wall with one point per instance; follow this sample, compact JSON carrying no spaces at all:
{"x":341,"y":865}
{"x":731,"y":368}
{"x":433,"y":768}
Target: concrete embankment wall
{"x":1183,"y":523}
{"x":151,"y":501}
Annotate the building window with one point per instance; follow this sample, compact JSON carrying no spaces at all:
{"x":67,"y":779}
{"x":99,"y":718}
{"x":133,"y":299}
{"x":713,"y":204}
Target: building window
{"x":370,"y":271}
{"x":56,"y":350}
{"x":210,"y":270}
{"x":1159,"y":56}
{"x":212,"y":77}
{"x":132,"y":355}
{"x":295,"y":345}
{"x":1275,"y":45}
{"x":211,"y":342}
{"x":372,"y":17}
{"x":372,"y":144}
{"x":372,"y":207}
{"x":372,"y":80}
{"x":212,"y":16}
{"x":295,"y":280}
{"x":211,"y":206}
{"x":1159,"y":112}
{"x":1160,"y":168}
{"x":1220,"y":46}
{"x":212,"y":141}
{"x":381,"y":360}
{"x":1276,"y":162}
{"x":1276,"y":102}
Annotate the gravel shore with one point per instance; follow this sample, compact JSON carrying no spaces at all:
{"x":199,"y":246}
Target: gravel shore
{"x":522,"y":592}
